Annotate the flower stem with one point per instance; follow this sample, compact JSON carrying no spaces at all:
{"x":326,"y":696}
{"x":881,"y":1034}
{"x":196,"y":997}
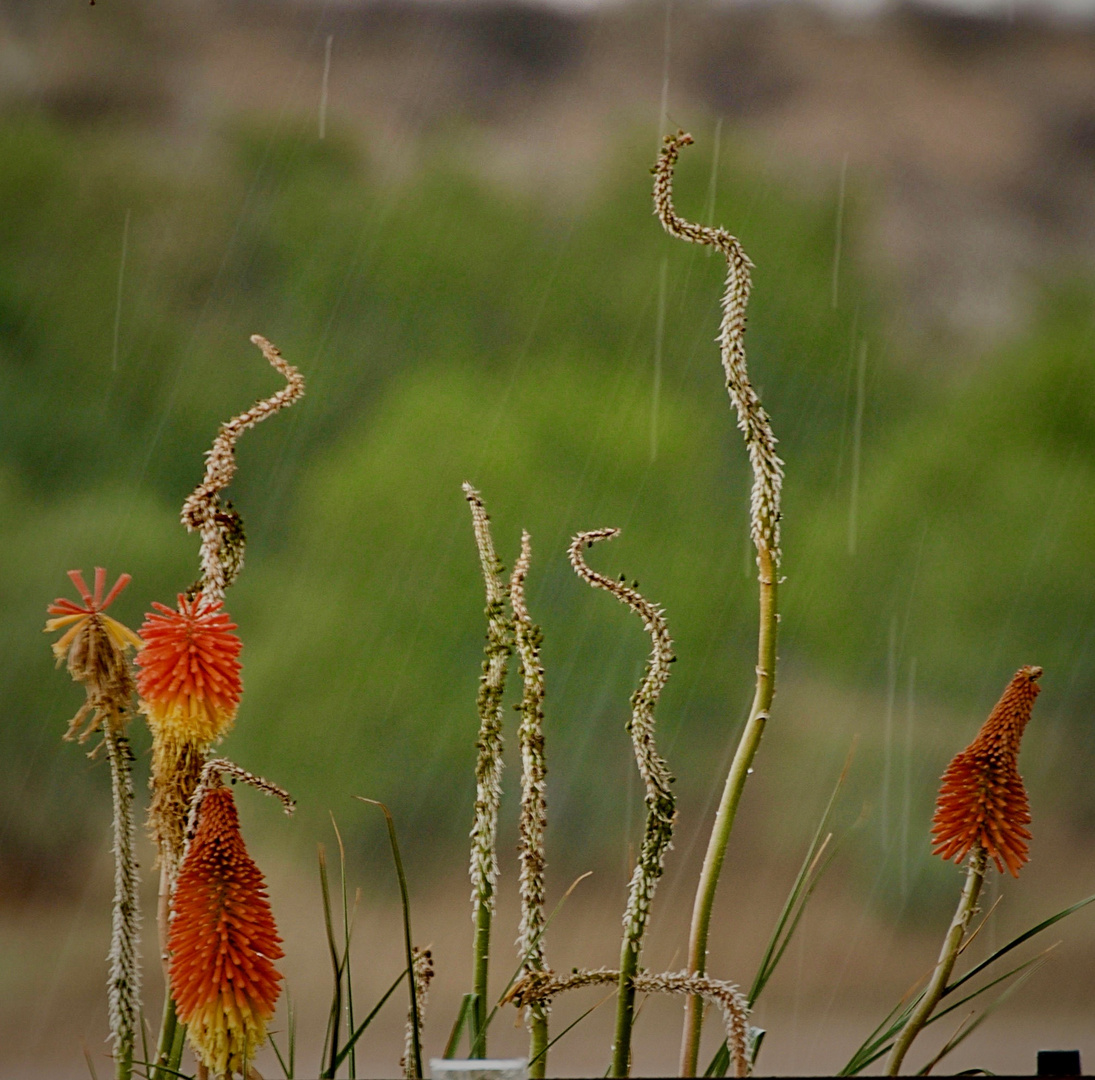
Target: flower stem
{"x":125,"y":974}
{"x":538,"y":1042}
{"x":728,"y":806}
{"x":625,"y":1009}
{"x":168,"y":1026}
{"x":967,"y":905}
{"x":480,"y":972}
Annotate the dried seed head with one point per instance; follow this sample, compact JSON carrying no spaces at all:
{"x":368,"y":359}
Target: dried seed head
{"x":982,"y":800}
{"x":753,"y":422}
{"x":223,"y":942}
{"x":94,"y":646}
{"x":220,"y":527}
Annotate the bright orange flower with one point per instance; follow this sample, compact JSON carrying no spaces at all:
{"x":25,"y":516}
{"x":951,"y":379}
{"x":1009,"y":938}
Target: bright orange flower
{"x":223,"y":942}
{"x":190,"y":671}
{"x":982,"y":799}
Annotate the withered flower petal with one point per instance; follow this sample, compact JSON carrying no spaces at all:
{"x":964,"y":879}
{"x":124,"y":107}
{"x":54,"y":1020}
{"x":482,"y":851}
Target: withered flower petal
{"x":982,"y":800}
{"x":223,"y":943}
{"x":94,"y":646}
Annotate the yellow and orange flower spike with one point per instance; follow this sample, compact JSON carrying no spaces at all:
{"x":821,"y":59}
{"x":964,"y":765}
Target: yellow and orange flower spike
{"x":189,"y":686}
{"x":94,"y":645}
{"x":982,"y":800}
{"x":223,"y":943}
{"x":190,"y":671}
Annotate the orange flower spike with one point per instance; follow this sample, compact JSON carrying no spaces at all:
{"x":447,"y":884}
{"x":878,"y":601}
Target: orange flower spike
{"x":223,"y":942}
{"x":982,"y":800}
{"x":190,"y":671}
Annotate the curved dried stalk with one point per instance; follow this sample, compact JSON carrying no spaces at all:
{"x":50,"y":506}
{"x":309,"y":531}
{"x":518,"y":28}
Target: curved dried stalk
{"x":220,"y":527}
{"x":661,"y":807}
{"x":533,"y":822}
{"x":488,"y":766}
{"x":540,"y":987}
{"x":764,"y":521}
{"x":211,"y":777}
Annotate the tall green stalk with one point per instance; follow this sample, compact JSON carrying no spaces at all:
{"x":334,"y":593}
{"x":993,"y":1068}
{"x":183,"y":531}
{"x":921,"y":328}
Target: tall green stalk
{"x":533,"y":821}
{"x":740,"y":768}
{"x":125,"y":973}
{"x":488,"y":767}
{"x":967,"y":905}
{"x":764,"y":516}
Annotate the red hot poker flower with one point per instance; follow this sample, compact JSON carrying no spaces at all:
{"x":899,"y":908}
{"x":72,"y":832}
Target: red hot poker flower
{"x":223,"y":942}
{"x":190,"y":671}
{"x":982,"y":800}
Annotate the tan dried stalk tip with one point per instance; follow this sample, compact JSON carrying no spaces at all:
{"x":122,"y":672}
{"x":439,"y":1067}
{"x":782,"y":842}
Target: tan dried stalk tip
{"x":541,"y":987}
{"x":422,"y":964}
{"x":220,"y":527}
{"x":752,"y":419}
{"x":533,"y":819}
{"x":492,"y":682}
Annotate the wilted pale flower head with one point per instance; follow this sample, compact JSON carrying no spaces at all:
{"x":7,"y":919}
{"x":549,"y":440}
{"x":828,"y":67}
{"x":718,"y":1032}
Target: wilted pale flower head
{"x":94,"y":646}
{"x":223,"y":942}
{"x":982,"y":800}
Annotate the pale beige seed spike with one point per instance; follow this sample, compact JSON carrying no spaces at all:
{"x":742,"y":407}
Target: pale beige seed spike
{"x":752,"y":419}
{"x":219,"y":527}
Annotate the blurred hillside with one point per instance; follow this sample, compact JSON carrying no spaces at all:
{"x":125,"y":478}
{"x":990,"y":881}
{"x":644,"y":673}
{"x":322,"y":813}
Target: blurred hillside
{"x":974,"y":136}
{"x":454,"y":242}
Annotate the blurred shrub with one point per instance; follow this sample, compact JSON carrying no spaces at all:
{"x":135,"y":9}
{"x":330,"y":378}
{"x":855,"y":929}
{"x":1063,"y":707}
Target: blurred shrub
{"x":452,"y":331}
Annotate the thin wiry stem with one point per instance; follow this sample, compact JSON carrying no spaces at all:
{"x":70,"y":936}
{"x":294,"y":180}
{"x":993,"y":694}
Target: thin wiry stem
{"x":211,"y":777}
{"x":764,"y":519}
{"x":416,"y":1018}
{"x":661,"y":805}
{"x":220,"y":527}
{"x":124,"y":985}
{"x":540,"y":987}
{"x":530,"y":940}
{"x":952,"y":943}
{"x":488,"y":766}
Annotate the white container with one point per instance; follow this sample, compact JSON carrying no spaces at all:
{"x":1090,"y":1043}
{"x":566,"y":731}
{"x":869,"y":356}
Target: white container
{"x":479,"y":1068}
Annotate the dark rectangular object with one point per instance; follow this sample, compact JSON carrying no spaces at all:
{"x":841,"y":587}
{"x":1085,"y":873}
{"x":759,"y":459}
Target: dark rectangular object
{"x":1058,"y":1062}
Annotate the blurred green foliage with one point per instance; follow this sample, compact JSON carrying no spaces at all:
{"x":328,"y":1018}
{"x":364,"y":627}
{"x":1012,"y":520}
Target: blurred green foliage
{"x":453,"y":331}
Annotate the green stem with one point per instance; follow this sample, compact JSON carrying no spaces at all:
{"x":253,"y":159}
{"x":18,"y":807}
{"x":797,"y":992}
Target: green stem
{"x":625,"y":1010}
{"x":728,"y":806}
{"x":168,"y":1026}
{"x":174,"y":1062}
{"x":538,"y":1043}
{"x":967,"y":905}
{"x":478,"y":1029}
